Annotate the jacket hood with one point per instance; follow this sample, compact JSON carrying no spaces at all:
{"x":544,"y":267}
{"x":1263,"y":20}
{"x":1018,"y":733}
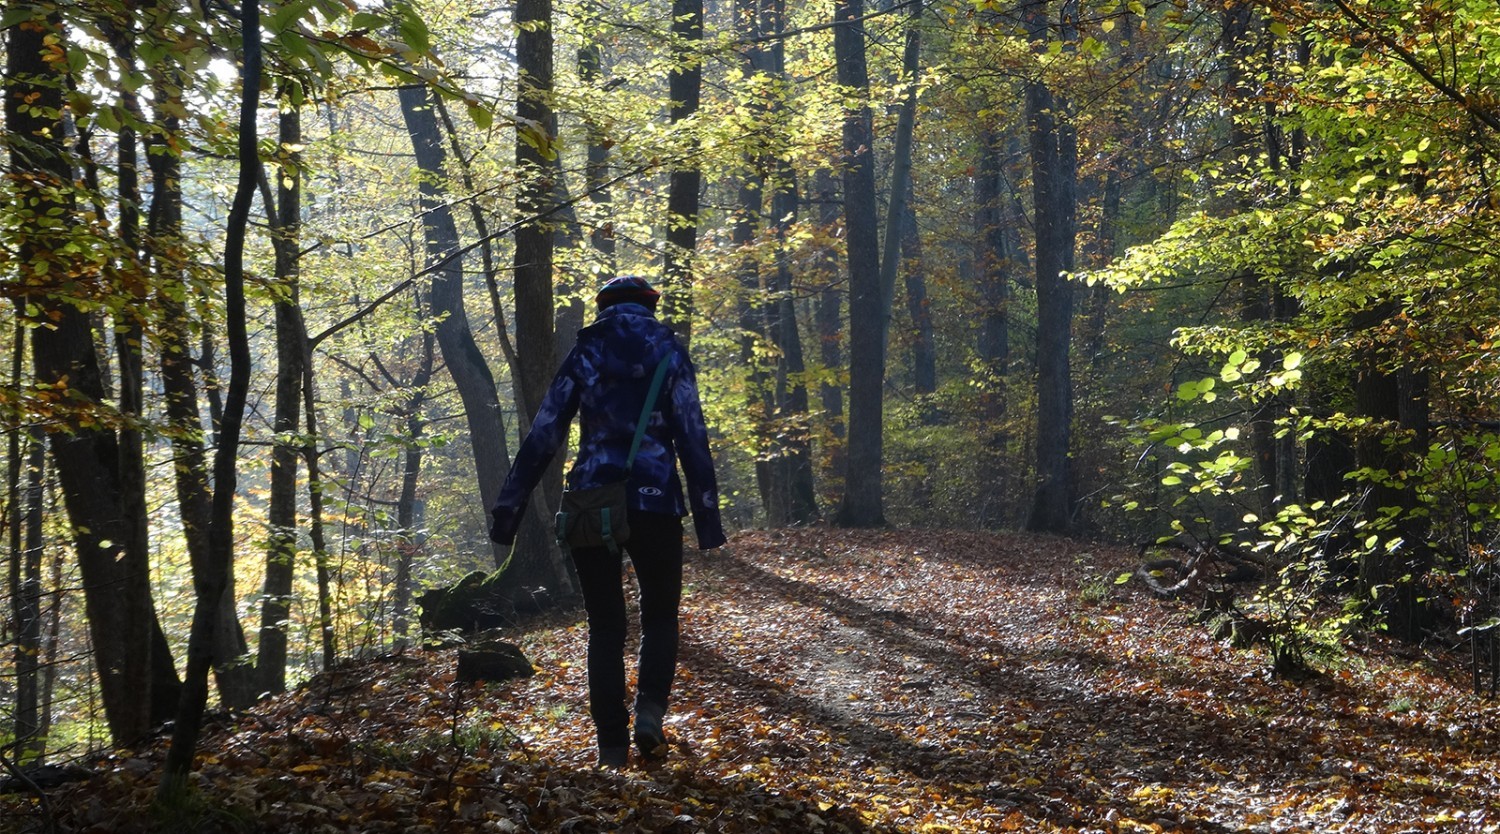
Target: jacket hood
{"x":626,"y":341}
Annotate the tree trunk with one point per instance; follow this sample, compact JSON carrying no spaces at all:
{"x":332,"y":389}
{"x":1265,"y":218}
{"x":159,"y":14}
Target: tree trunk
{"x":235,"y":680}
{"x":533,"y":257}
{"x":1054,"y":164}
{"x":997,"y":260}
{"x":310,"y":457}
{"x":793,"y":500}
{"x":291,"y":366}
{"x":596,"y":168}
{"x":895,"y":214}
{"x":212,"y":576}
{"x":1396,"y":397}
{"x":116,"y":576}
{"x":861,"y":506}
{"x":411,"y":539}
{"x":923,"y":343}
{"x":471,"y":374}
{"x":684,"y":86}
{"x":24,"y":519}
{"x":829,"y":318}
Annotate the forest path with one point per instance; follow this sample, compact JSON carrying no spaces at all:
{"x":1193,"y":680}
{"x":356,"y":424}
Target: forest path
{"x":941,"y":681}
{"x":860,"y":681}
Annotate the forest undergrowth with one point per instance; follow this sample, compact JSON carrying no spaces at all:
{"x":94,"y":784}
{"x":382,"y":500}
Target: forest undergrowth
{"x":837,"y":681}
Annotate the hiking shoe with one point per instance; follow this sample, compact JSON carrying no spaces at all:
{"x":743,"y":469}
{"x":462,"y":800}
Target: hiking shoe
{"x":649,"y":738}
{"x":613,"y":757}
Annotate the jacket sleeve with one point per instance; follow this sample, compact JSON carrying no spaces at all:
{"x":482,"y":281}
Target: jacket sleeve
{"x":548,"y":431}
{"x":690,"y":436}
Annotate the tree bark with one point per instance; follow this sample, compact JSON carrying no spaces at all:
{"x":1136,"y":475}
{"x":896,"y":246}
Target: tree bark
{"x":829,"y":319}
{"x":466,"y":364}
{"x":861,"y":505}
{"x":684,"y":86}
{"x":235,"y":680}
{"x":535,"y":318}
{"x":793,"y":497}
{"x":24,"y":521}
{"x":212,"y":577}
{"x":291,"y":366}
{"x":116,"y":576}
{"x":1054,"y":164}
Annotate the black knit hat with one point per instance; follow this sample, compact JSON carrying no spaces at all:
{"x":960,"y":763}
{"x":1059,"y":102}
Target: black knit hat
{"x":632,"y":288}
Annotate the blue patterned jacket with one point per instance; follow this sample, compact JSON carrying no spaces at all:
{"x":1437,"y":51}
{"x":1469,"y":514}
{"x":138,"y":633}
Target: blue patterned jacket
{"x":604,"y":380}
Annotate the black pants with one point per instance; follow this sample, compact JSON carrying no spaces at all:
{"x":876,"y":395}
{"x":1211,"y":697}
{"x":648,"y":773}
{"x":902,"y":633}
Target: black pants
{"x":655,"y":549}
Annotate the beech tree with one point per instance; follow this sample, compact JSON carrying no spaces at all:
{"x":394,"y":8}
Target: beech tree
{"x":861,"y":505}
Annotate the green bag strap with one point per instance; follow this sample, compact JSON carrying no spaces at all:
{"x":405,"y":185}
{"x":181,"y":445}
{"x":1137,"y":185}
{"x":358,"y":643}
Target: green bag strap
{"x":640,"y":426}
{"x":607,"y":531}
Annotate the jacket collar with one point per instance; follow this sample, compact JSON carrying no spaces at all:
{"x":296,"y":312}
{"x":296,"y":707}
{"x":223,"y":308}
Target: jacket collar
{"x":627,"y":308}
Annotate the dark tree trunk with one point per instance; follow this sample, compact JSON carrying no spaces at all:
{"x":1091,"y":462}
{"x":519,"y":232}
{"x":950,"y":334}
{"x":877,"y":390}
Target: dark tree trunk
{"x":411,"y":539}
{"x":997,"y":260}
{"x":310,"y":457}
{"x":684,"y":86}
{"x":213,"y":575}
{"x":1103,"y":254}
{"x":994,"y":258}
{"x":895,"y":215}
{"x":793,"y":500}
{"x":861,"y":506}
{"x":23,"y":515}
{"x":116,"y":577}
{"x":467,"y":366}
{"x":744,"y":229}
{"x":829,"y":318}
{"x":533,"y":257}
{"x":596,"y":168}
{"x":291,"y":366}
{"x":1238,"y":49}
{"x":180,"y":391}
{"x":923,"y":344}
{"x":1396,"y":398}
{"x":1054,"y":163}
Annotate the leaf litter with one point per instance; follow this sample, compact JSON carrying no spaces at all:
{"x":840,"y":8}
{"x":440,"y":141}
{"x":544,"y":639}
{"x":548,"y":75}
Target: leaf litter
{"x":855,"y":681}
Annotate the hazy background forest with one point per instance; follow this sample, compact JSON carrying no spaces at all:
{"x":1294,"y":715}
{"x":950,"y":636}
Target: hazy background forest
{"x":1221,"y":272}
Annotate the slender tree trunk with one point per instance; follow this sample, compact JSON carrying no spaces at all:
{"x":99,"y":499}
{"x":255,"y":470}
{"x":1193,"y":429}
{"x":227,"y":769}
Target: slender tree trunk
{"x":116,"y":577}
{"x":745,"y":227}
{"x":235,"y":680}
{"x":1054,"y":162}
{"x":829,"y":318}
{"x":1396,"y":397}
{"x":793,"y":497}
{"x":684,"y":86}
{"x":411,"y":538}
{"x":923,"y":342}
{"x":996,"y":262}
{"x":467,"y":366}
{"x":213,"y":575}
{"x":321,"y":561}
{"x":25,"y":567}
{"x":596,"y":167}
{"x":861,"y":506}
{"x":895,"y":215}
{"x":533,"y":260}
{"x":291,"y":367}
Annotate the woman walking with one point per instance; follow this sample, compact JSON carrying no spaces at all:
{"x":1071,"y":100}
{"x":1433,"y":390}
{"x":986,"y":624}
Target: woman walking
{"x":605,"y":380}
